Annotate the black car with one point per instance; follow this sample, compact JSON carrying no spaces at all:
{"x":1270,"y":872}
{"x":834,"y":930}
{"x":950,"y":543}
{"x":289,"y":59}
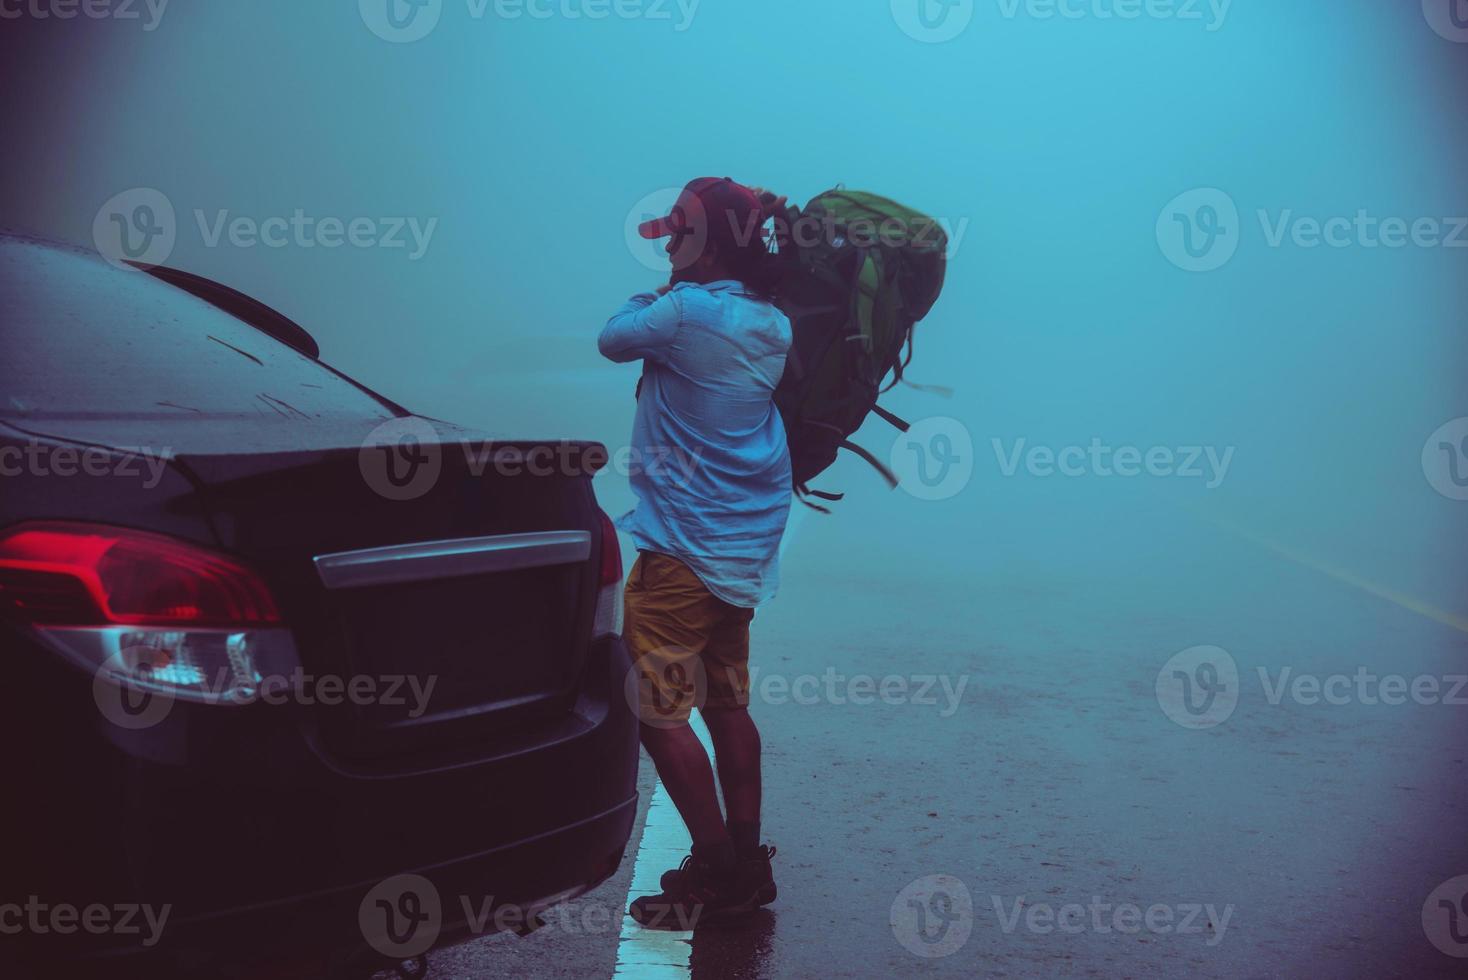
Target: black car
{"x":287,"y":668}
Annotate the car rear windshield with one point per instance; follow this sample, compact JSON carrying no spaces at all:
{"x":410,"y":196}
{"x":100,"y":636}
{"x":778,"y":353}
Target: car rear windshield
{"x":79,"y":338}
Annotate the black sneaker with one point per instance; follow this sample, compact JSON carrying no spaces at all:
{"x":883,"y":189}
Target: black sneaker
{"x":699,"y":894}
{"x":754,"y":866}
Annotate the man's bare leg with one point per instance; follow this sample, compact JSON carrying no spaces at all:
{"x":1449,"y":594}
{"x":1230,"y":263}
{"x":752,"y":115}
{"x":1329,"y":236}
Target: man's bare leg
{"x":684,"y":768}
{"x":737,"y":749}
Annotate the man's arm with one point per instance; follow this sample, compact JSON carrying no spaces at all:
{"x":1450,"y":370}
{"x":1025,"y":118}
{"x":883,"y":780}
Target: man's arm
{"x":643,"y":328}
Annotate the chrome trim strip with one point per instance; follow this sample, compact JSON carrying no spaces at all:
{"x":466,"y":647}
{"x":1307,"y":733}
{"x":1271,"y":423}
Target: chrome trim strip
{"x":431,"y":560}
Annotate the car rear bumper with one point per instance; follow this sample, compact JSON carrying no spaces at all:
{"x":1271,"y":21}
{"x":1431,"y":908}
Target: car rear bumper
{"x":261,"y":847}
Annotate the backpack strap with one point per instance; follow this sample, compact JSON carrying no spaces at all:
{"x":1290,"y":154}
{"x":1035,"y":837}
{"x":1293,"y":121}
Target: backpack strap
{"x":802,"y":492}
{"x":899,"y":424}
{"x":941,"y":390}
{"x":793,"y":364}
{"x":880,"y":467}
{"x":897,"y":377}
{"x":902,"y":362}
{"x":867,"y":281}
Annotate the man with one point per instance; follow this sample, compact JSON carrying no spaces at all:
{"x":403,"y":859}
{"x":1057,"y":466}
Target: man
{"x":707,"y":531}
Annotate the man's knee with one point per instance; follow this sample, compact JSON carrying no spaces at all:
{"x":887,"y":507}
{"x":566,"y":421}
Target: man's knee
{"x":664,"y":732}
{"x":723,"y":712}
{"x":732,"y":720}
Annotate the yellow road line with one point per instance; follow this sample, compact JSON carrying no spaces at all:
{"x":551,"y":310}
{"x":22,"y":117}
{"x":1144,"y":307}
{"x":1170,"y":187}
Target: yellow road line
{"x":1350,"y":578}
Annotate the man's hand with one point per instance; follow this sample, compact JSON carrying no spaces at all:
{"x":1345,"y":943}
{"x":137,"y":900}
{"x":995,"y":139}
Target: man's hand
{"x":664,"y":289}
{"x":773,"y":203}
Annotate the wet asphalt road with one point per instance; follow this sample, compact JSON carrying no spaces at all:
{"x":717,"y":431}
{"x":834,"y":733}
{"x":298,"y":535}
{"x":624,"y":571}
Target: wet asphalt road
{"x":942,"y":839}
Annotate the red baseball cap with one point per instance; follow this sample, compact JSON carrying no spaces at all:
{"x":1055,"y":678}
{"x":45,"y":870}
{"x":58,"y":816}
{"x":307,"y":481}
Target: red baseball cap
{"x":707,"y":196}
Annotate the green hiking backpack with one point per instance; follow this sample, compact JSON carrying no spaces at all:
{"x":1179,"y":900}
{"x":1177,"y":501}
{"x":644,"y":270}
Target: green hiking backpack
{"x":859,"y":272}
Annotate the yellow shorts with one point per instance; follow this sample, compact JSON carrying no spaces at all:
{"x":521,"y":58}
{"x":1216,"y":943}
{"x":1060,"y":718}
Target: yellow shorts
{"x":689,"y":648}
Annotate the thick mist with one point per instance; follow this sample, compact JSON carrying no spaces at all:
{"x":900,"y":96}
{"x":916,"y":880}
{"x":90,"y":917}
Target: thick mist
{"x":1204,"y":311}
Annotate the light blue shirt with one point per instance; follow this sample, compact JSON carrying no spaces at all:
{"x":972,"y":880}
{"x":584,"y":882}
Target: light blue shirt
{"x":709,"y":463}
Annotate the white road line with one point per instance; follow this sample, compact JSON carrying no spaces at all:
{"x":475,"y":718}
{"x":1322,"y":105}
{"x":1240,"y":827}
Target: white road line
{"x":658,"y":954}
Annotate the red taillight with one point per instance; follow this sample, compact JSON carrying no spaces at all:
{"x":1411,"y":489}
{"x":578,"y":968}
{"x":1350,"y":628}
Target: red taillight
{"x":608,"y":619}
{"x":59,"y":574}
{"x":611,"y":552}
